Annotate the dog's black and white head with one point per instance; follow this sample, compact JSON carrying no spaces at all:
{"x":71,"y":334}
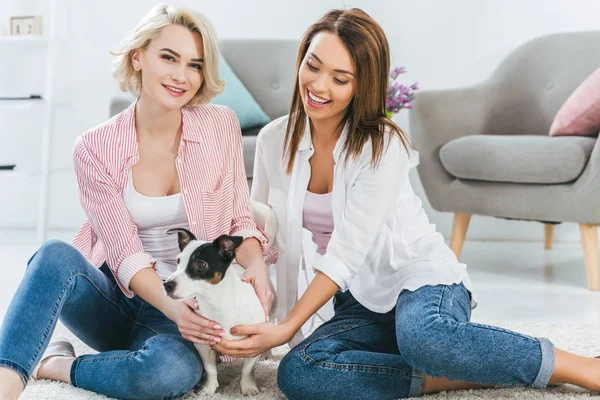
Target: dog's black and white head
{"x":200,"y":264}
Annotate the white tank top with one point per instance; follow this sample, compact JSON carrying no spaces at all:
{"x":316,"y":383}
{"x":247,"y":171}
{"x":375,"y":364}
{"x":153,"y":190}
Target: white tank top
{"x":153,"y":216}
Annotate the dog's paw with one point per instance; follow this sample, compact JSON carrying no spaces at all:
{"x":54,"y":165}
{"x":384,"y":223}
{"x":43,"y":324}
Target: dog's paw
{"x":249,"y":387}
{"x":210,"y":387}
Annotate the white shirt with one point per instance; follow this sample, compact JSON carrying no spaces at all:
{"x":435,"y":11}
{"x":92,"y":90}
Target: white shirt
{"x":382,"y":242}
{"x":153,"y":216}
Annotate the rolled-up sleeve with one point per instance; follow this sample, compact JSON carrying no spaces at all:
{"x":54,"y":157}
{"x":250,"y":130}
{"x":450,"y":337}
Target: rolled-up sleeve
{"x":104,"y":207}
{"x":371,"y":199}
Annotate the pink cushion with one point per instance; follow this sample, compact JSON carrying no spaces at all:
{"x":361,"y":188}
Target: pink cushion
{"x":580,"y":115}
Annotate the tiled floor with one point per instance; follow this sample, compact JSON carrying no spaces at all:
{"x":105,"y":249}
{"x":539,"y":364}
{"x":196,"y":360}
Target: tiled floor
{"x":513,"y":281}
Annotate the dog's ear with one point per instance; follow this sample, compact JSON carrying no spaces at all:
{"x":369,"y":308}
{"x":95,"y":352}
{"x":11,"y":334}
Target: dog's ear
{"x":183,"y":235}
{"x":226,"y":246}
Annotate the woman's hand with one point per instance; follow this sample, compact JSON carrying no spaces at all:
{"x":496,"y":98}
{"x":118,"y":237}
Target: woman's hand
{"x":262,"y":337}
{"x":258,"y":276}
{"x":193,"y":326}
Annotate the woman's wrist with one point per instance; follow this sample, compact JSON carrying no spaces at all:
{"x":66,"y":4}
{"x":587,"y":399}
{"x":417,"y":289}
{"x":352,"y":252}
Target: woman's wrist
{"x":149,"y":286}
{"x":288,"y":330}
{"x":257,"y":265}
{"x":169,"y":308}
{"x":249,"y":255}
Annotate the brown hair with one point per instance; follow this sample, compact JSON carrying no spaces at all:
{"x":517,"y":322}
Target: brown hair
{"x":366,"y":42}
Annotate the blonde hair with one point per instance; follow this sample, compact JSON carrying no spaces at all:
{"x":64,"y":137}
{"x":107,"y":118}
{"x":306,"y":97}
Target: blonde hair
{"x":149,"y":27}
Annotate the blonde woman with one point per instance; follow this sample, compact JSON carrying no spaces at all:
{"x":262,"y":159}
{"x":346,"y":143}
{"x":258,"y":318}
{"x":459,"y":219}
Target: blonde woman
{"x":169,"y":160}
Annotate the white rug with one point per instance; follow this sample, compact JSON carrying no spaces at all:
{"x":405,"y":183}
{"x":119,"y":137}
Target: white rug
{"x":580,"y":339}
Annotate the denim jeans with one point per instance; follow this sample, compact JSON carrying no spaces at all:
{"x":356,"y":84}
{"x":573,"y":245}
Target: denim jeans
{"x":359,"y":354}
{"x":142,"y":354}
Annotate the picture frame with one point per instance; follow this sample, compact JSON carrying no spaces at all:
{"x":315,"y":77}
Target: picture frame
{"x":26,"y":25}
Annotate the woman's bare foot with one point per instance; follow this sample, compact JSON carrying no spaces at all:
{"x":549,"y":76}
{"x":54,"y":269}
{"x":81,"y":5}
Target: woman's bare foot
{"x":56,"y":368}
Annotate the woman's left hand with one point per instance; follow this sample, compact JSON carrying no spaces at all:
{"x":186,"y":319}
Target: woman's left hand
{"x":262,"y":337}
{"x":258,"y":276}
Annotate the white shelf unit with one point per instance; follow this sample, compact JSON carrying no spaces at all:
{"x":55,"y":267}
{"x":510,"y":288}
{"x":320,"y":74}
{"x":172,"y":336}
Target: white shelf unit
{"x":48,"y":105}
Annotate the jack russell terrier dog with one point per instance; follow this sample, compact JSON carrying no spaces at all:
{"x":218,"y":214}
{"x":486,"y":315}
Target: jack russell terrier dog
{"x":205,"y":271}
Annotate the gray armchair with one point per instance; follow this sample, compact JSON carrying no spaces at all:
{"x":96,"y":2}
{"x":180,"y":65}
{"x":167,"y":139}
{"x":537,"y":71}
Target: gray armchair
{"x":485,"y":149}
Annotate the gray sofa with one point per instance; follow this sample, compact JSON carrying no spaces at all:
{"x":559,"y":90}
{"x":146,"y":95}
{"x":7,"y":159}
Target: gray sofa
{"x":267,"y":69}
{"x":485,"y":149}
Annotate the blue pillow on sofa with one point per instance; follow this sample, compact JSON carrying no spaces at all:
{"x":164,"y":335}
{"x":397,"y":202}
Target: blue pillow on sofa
{"x":239,"y":99}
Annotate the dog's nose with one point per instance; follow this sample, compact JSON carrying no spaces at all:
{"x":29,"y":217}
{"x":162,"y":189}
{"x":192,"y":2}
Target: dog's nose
{"x":169,"y":286}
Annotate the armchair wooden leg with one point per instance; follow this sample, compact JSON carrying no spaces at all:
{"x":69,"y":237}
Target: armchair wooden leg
{"x":459,"y":232}
{"x":589,"y":240}
{"x":548,"y":236}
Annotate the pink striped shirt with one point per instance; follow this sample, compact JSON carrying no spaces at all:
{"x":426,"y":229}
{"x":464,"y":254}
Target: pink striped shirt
{"x":211,"y":175}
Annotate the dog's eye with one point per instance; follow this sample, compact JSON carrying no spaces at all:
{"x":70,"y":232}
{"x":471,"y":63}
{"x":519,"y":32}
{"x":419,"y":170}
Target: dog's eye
{"x":203,"y":265}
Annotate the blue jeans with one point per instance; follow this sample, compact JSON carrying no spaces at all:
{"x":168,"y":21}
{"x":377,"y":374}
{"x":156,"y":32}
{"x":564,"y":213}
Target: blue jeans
{"x":142,"y":354}
{"x":359,"y":354}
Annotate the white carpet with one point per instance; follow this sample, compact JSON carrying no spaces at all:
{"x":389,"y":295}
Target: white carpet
{"x":580,"y":339}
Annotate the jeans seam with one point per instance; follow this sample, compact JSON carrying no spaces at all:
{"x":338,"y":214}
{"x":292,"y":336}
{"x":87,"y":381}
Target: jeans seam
{"x":115,"y":287}
{"x":497,"y":329}
{"x":347,"y":367}
{"x":137,"y":315}
{"x":137,"y":324}
{"x":60,"y":299}
{"x":361,"y":368}
{"x":73,"y":372}
{"x":337,"y":332}
{"x":129,"y":355}
{"x":78,"y":273}
{"x":441,"y":298}
{"x":103,"y":295}
{"x":53,"y":319}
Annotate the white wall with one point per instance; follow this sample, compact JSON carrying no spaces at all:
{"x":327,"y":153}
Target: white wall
{"x":442,"y":43}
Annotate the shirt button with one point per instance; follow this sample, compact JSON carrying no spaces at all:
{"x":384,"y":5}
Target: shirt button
{"x":185,"y":191}
{"x":179,"y":161}
{"x":194,"y":223}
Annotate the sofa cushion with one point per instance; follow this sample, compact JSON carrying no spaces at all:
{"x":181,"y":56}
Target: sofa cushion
{"x":249,"y":150}
{"x":238,"y":98}
{"x":580,"y":114}
{"x":251,"y":131}
{"x":518,"y":159}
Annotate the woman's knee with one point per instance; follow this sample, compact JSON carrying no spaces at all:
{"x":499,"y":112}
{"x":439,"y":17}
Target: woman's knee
{"x":54,"y":257}
{"x":170,"y":367}
{"x":293,"y":374}
{"x":426,"y":347}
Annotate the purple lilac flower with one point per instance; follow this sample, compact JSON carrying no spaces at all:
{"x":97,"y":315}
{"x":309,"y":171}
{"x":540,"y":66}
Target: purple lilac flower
{"x":398,"y":95}
{"x":397,"y":71}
